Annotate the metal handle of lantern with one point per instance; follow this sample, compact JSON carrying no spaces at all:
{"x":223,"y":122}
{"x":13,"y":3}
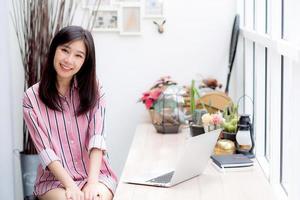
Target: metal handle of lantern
{"x":243,"y":97}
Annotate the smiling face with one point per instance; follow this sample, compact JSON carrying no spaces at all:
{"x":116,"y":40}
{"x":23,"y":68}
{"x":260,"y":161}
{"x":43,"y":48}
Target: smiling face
{"x":68,"y":60}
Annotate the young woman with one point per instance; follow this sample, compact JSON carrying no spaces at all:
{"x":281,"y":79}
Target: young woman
{"x":65,"y":115}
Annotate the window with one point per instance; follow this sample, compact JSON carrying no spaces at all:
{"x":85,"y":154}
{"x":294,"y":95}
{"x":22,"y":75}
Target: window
{"x":267,"y":16}
{"x":266,"y":108}
{"x":271,"y":56}
{"x":283,"y":136}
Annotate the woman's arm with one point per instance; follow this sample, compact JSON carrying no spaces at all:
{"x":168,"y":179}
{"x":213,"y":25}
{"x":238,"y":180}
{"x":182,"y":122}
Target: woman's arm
{"x":61,"y":174}
{"x":97,"y":149}
{"x":91,"y":189}
{"x":72,"y":190}
{"x":94,"y":165}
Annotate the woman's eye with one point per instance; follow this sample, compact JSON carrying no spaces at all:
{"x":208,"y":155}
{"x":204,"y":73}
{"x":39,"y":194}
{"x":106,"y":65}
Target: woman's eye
{"x":79,"y":56}
{"x":64,"y":50}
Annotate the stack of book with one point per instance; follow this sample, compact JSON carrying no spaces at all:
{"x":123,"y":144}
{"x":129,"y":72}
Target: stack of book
{"x":232,"y":162}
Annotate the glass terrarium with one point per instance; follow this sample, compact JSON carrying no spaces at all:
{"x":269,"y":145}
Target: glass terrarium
{"x":168,"y":110}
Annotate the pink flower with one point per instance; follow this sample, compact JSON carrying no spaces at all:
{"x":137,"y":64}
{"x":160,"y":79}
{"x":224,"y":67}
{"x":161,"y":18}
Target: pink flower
{"x":217,"y":119}
{"x":150,"y":97}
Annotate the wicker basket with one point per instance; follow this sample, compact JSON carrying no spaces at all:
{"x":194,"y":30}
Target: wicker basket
{"x":213,"y":101}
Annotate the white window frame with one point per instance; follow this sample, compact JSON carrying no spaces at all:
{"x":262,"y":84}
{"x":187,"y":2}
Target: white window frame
{"x":277,"y":47}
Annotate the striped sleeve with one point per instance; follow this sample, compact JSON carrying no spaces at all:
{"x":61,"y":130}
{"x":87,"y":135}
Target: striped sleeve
{"x":97,"y":135}
{"x":37,"y":132}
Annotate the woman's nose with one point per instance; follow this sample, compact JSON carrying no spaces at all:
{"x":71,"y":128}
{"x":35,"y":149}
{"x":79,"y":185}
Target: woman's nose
{"x":68,"y":59}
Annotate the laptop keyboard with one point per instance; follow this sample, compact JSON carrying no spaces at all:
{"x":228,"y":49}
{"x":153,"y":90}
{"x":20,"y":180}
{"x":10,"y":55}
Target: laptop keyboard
{"x":166,"y":178}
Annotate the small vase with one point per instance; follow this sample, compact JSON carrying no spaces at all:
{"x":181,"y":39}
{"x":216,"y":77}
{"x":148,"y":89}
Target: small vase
{"x":228,"y":136}
{"x":196,"y":130}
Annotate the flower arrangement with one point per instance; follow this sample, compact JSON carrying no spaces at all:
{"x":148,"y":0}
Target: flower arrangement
{"x":150,"y":97}
{"x":164,"y":101}
{"x":212,"y":121}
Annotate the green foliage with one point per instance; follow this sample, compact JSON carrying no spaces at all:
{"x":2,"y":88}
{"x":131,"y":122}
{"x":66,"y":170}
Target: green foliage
{"x":193,"y":93}
{"x":196,"y":113}
{"x":231,"y":118}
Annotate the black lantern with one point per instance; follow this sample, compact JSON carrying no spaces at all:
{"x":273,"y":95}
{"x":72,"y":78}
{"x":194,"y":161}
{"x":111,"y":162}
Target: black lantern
{"x":244,"y":136}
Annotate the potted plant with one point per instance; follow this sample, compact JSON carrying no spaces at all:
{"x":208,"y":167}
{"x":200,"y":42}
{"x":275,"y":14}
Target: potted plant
{"x":196,"y":125}
{"x":35,"y":23}
{"x":164,"y":102}
{"x":231,"y":121}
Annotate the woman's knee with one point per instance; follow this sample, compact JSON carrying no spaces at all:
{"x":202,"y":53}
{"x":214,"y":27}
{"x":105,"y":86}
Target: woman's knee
{"x":106,"y":194}
{"x":54,"y":194}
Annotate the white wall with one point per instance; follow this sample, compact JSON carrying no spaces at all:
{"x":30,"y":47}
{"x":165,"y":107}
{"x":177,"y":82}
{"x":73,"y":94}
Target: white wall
{"x":6,"y":144}
{"x":292,"y":31}
{"x":196,"y":40}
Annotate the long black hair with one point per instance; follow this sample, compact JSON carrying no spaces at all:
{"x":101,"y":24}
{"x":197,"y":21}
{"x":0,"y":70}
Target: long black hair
{"x":86,"y":76}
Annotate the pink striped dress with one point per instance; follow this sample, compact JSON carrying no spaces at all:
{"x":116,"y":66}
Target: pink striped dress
{"x":67,"y":138}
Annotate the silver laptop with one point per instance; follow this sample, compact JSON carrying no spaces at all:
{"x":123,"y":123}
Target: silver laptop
{"x":192,"y":162}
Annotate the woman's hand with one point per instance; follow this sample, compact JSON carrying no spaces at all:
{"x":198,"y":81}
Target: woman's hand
{"x":74,"y":193}
{"x":96,"y":191}
{"x":91,"y":191}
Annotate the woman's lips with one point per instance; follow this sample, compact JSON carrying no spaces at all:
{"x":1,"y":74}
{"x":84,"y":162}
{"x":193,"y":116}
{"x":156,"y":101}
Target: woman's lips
{"x":65,"y":68}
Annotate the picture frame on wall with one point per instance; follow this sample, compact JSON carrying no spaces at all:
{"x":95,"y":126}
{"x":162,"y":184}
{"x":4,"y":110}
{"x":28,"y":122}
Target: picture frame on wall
{"x":153,"y":8}
{"x":130,"y":19}
{"x":93,"y":4}
{"x":107,"y":19}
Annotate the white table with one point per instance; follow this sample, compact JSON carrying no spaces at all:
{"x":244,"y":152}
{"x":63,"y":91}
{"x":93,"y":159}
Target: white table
{"x":151,"y":151}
